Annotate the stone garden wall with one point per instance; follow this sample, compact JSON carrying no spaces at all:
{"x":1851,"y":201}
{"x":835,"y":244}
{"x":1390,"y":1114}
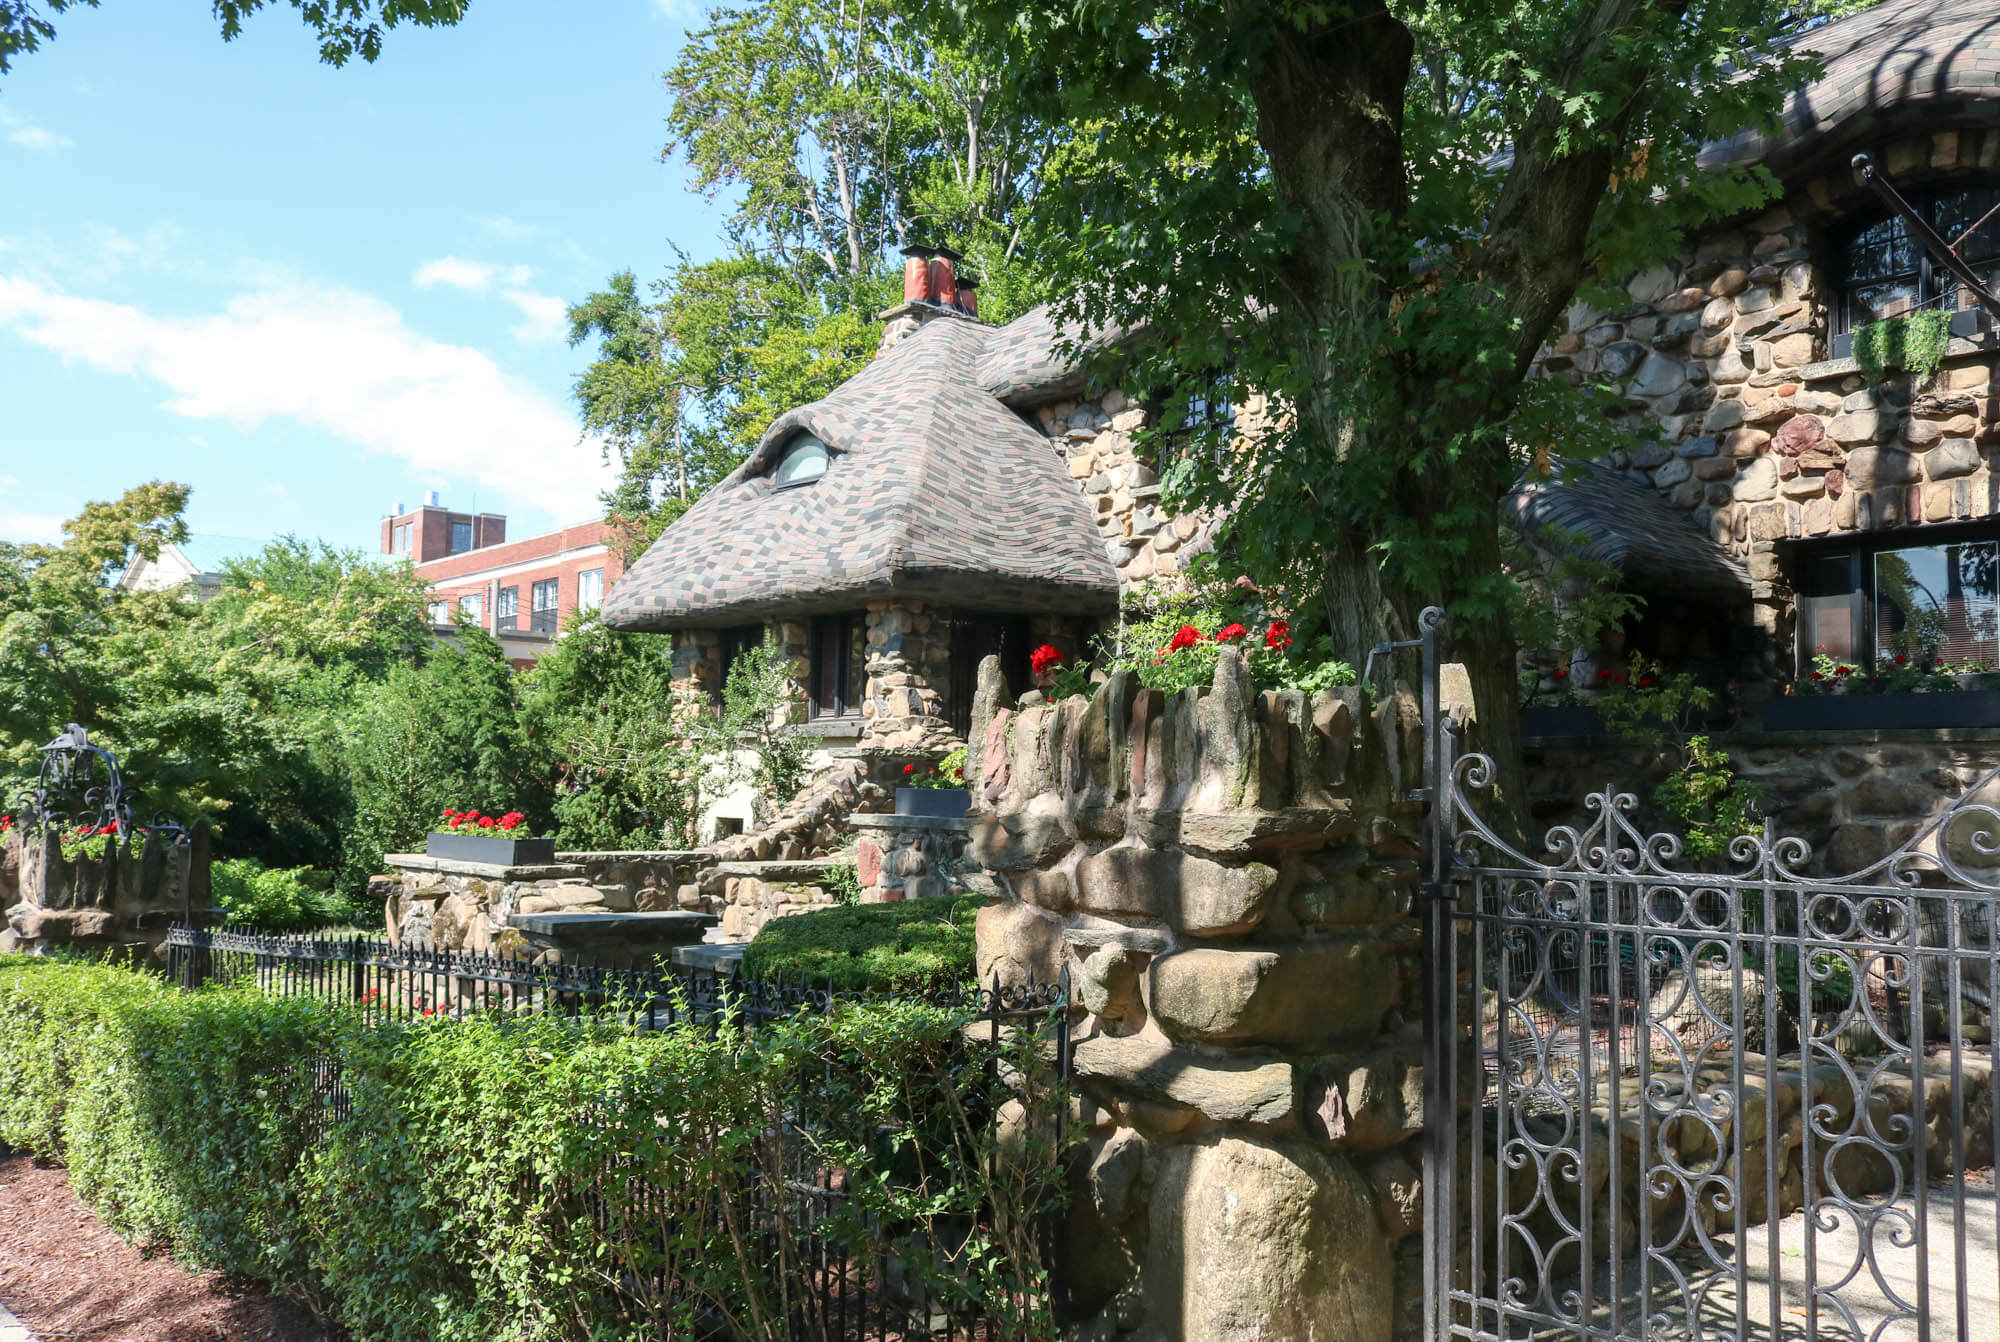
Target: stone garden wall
{"x":898,"y":857}
{"x":1854,"y":797}
{"x":1228,"y":879}
{"x":1764,"y":436}
{"x":122,"y":902}
{"x":437,"y":904}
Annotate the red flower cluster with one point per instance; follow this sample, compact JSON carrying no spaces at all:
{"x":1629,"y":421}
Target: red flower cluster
{"x":1046,"y":658}
{"x":1231,"y":633}
{"x":6,"y":823}
{"x":909,"y":768}
{"x":1278,"y":637}
{"x":1559,"y":674}
{"x":1184,"y":637}
{"x":459,"y":822}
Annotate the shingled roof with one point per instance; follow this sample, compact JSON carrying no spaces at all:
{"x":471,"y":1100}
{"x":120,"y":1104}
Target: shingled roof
{"x":935,"y":491}
{"x":1628,"y":527}
{"x":1932,"y":65}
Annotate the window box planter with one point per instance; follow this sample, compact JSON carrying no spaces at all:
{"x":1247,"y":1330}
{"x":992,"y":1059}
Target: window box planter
{"x":1882,"y":712}
{"x":1560,"y":720}
{"x":494,"y":852}
{"x":933,"y":801}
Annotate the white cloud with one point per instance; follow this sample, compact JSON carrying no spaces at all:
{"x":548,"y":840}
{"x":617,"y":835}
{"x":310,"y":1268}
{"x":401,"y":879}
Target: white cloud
{"x":29,"y":528}
{"x":474,"y":277}
{"x":547,"y":316}
{"x":512,"y":230}
{"x":30,"y":136}
{"x":337,"y":361}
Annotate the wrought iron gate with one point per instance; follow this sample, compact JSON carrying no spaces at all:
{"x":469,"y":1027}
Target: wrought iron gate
{"x":1667,"y":1102}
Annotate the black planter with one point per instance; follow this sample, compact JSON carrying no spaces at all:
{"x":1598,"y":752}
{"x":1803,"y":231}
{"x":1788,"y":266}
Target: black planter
{"x":1882,"y":712}
{"x":1552,"y":720}
{"x":946,"y":802}
{"x":494,"y":852}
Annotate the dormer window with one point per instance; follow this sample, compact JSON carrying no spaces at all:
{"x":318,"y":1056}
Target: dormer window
{"x":1881,"y":272}
{"x":804,"y":461}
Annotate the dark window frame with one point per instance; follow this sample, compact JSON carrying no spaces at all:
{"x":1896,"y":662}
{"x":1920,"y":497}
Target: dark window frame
{"x":544,"y":619}
{"x":1860,"y":550}
{"x":458,"y":528}
{"x":1170,"y":445}
{"x":836,"y":686}
{"x":1932,"y":281}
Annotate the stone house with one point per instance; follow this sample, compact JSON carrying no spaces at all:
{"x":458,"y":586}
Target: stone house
{"x":1862,"y":514}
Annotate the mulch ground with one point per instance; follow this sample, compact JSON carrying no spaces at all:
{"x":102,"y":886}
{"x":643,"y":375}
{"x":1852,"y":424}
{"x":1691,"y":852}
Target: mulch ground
{"x":67,"y":1276}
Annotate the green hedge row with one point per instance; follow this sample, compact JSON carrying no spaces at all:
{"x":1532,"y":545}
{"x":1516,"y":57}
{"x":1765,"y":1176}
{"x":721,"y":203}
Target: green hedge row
{"x":525,"y":1178}
{"x":917,"y":943}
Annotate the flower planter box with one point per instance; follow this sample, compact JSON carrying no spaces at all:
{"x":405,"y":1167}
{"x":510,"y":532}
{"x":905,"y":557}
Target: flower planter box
{"x":932,"y":801}
{"x":1553,"y":720}
{"x":494,"y":852}
{"x":1882,"y":712}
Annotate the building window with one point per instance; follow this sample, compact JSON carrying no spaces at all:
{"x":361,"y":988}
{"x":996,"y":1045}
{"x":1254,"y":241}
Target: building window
{"x":507,"y":608}
{"x":735,"y":642}
{"x":440,"y":612}
{"x":399,"y":538}
{"x":472,"y":606}
{"x":1881,"y":272}
{"x":1199,"y":425}
{"x":804,"y":462}
{"x":542,"y":599}
{"x":590,"y":589}
{"x":1871,"y":604}
{"x":839,"y":657}
{"x":974,"y":638}
{"x":461,"y":537}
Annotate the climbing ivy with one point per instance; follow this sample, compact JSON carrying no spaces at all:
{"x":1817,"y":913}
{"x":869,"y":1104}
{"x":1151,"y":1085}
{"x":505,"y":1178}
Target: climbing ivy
{"x":1914,"y":343}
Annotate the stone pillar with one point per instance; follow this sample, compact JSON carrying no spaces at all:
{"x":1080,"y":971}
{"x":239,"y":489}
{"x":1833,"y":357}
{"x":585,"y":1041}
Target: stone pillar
{"x":121,"y":901}
{"x":1230,"y":880}
{"x":909,"y":661}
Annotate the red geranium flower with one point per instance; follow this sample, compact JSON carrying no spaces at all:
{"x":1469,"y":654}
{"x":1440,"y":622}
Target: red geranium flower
{"x":1605,"y":674}
{"x":1843,"y":670}
{"x":1643,"y":684}
{"x":486,"y":822}
{"x":1042,"y":659}
{"x":1184,"y":637}
{"x":1818,"y":675}
{"x":1278,"y":637}
{"x":1900,"y":659}
{"x":909,"y":768}
{"x":1559,"y":675}
{"x":1231,"y":633}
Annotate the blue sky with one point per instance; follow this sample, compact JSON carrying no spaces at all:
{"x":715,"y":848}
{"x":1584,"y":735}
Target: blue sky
{"x":313,"y":293}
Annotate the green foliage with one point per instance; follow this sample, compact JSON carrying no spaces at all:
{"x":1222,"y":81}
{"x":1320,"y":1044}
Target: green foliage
{"x":843,"y":882}
{"x":916,"y":943}
{"x":343,"y":30}
{"x":1709,"y":801}
{"x":1914,"y":343}
{"x":1701,"y":792}
{"x":1173,"y":643}
{"x":757,"y":710}
{"x":948,"y":772}
{"x":1562,"y":602}
{"x":464,"y":1195}
{"x":277,"y":897}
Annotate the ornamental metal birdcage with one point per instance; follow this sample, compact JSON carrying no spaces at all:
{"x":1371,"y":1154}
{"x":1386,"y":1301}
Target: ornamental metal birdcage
{"x":80,"y":791}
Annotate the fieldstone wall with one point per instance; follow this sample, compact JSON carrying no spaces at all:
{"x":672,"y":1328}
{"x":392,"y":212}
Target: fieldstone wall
{"x":436,"y":904}
{"x":898,"y":857}
{"x":750,"y":894}
{"x":122,"y":902}
{"x":1229,"y":880}
{"x":1854,"y":797}
{"x":909,"y":672}
{"x":1764,"y":437}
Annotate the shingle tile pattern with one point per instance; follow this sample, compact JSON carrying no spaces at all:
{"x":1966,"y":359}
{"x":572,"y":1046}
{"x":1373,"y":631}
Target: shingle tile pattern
{"x":936,"y":491}
{"x":1025,"y":362}
{"x":1630,"y":528}
{"x":1905,"y":64}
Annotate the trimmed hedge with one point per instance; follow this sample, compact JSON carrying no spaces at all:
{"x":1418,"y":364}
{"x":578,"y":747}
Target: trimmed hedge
{"x":914,"y":944}
{"x":546,"y":1177}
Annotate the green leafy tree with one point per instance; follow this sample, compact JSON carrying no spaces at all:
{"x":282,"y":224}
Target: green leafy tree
{"x":1375,"y":212}
{"x":345,"y":28}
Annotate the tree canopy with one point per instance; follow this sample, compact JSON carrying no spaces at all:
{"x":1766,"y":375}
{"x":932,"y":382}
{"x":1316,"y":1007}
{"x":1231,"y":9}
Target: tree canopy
{"x":344,"y":28}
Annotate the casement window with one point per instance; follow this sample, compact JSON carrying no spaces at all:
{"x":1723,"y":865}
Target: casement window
{"x":440,"y":612}
{"x":1195,"y":421}
{"x":839,"y":658}
{"x":590,"y":589}
{"x":735,"y":642}
{"x":542,"y":599}
{"x":507,"y":608}
{"x":1917,"y":595}
{"x":399,"y":538}
{"x":1880,"y":271}
{"x":461,"y":537}
{"x":472,"y":606}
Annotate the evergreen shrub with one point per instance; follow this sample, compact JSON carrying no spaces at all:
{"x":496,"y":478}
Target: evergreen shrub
{"x":530,"y":1178}
{"x":914,"y":944}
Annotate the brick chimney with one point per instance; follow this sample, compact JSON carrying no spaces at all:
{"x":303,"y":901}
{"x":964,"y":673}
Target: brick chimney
{"x":932,"y":290}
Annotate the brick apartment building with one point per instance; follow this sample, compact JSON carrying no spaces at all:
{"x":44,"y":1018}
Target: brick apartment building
{"x":521,"y":591}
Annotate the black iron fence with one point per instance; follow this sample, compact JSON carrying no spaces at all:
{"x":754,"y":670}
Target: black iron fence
{"x":796,"y":1205}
